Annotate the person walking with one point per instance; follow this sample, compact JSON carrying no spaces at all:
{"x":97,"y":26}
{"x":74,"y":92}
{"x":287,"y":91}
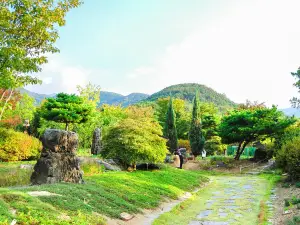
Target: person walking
{"x":178,"y":159}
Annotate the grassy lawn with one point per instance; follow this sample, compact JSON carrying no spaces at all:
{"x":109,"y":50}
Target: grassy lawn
{"x":12,"y":175}
{"x":109,"y":194}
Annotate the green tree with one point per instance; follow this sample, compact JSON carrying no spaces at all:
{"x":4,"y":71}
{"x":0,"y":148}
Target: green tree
{"x":90,"y":93}
{"x":196,"y":137}
{"x":28,"y":31}
{"x":249,"y":125}
{"x":135,"y":140}
{"x":296,"y":101}
{"x":181,"y":109}
{"x":170,"y":131}
{"x":67,"y":109}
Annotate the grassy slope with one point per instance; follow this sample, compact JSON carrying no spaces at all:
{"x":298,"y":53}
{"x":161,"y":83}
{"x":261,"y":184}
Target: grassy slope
{"x":109,"y":194}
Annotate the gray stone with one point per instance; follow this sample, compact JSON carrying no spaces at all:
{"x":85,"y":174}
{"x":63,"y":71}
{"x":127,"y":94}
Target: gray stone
{"x":204,"y":213}
{"x":58,"y":161}
{"x":109,"y":166}
{"x":214,"y":223}
{"x":96,"y":144}
{"x":126,"y":216}
{"x":26,"y":166}
{"x":223,"y":214}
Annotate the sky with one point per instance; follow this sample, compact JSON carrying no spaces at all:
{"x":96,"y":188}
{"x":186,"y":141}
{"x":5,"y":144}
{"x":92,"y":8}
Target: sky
{"x":245,"y":49}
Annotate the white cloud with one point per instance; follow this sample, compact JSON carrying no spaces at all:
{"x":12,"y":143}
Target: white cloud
{"x":244,"y":54}
{"x":59,"y":75}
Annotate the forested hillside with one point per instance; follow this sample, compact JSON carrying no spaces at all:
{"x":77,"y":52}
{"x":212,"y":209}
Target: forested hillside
{"x":187,"y":92}
{"x":109,"y":98}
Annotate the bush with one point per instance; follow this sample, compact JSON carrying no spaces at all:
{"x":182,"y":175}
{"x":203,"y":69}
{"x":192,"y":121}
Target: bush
{"x":17,"y":146}
{"x":288,"y":158}
{"x":294,"y":221}
{"x":185,"y":144}
{"x":214,"y":146}
{"x":135,"y":140}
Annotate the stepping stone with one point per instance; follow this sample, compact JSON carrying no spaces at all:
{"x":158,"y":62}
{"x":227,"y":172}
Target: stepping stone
{"x":126,"y":216}
{"x":229,"y":201}
{"x":214,"y":223}
{"x":195,"y":223}
{"x":247,"y":187}
{"x":223,"y":214}
{"x":231,"y":206}
{"x":204,"y":213}
{"x":235,"y":197}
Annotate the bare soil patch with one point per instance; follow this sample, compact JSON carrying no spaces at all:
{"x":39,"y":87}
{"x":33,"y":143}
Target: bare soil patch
{"x":285,"y":193}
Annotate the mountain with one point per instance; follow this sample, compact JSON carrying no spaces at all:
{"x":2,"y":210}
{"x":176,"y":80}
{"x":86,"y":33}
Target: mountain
{"x":38,"y":97}
{"x":182,"y":91}
{"x":291,"y":112}
{"x":187,"y":92}
{"x":110,"y":98}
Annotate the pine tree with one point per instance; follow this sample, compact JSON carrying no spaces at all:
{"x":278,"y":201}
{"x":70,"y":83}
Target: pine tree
{"x":170,"y":131}
{"x":196,"y":137}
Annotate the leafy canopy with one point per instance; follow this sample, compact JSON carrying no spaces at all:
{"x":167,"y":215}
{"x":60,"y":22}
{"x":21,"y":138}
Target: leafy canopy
{"x":27,"y":33}
{"x":170,"y":131}
{"x":296,"y":101}
{"x":245,"y":126}
{"x":196,"y":137}
{"x":135,"y":140}
{"x":66,"y":109}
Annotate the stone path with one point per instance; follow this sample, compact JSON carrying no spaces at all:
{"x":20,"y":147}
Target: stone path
{"x":232,"y":201}
{"x":227,"y":200}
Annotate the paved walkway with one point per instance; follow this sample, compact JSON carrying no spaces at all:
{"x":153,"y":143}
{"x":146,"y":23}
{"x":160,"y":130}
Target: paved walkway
{"x":227,"y":200}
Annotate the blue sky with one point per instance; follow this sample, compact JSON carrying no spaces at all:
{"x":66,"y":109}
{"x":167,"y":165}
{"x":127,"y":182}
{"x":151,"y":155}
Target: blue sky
{"x":245,"y":49}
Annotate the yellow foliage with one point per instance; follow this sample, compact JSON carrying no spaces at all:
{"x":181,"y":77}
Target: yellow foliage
{"x":16,"y":146}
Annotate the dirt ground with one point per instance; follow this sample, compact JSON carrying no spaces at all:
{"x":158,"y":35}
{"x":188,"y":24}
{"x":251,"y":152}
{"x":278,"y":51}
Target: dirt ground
{"x":245,"y":164}
{"x":283,"y":193}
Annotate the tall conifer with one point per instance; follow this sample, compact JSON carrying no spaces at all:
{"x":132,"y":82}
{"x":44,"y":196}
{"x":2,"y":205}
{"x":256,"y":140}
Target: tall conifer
{"x":170,"y":131}
{"x":196,"y":137}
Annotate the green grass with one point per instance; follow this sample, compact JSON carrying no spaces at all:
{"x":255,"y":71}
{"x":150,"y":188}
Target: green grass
{"x":12,"y":175}
{"x":109,"y":194}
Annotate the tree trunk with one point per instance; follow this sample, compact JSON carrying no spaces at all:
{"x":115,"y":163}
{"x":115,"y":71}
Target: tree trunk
{"x":3,"y":94}
{"x":242,"y":150}
{"x":67,"y":127}
{"x":4,"y":106}
{"x":237,"y":157}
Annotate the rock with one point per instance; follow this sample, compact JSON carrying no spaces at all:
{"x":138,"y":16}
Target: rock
{"x":26,"y":167}
{"x":109,"y":166}
{"x":58,"y":161}
{"x":96,"y":144}
{"x":287,"y":212}
{"x":13,"y":222}
{"x":41,"y":193}
{"x":147,"y":166}
{"x":126,"y":216}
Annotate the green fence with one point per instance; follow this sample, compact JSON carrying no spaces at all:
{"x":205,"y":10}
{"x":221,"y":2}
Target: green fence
{"x":249,"y":151}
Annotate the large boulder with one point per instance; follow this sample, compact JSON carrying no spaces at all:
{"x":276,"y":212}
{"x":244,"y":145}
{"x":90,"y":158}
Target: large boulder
{"x":96,"y":144}
{"x":58,"y":161}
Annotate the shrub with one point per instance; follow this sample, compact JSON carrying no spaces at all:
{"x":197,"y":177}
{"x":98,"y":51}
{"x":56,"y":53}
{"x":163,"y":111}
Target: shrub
{"x":17,"y":146}
{"x":91,"y":167}
{"x":288,"y":158}
{"x":15,"y":177}
{"x":184,"y":144}
{"x":297,"y":184}
{"x":294,"y":221}
{"x":135,"y":140}
{"x":214,"y":146}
